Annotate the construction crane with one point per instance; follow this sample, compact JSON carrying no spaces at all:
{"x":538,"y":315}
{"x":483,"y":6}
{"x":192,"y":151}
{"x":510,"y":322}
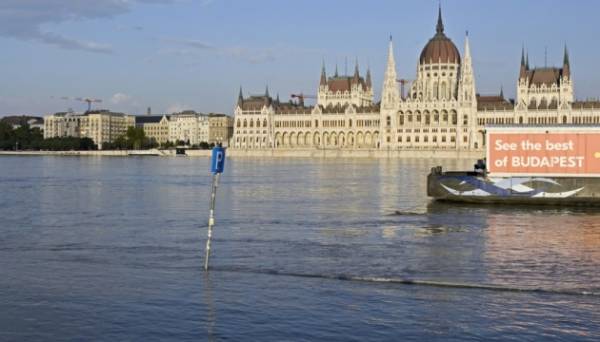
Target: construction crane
{"x":301,"y":98}
{"x":88,"y":100}
{"x":403,"y":82}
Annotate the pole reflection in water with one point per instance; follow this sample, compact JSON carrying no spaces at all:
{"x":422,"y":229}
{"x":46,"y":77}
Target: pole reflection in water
{"x":209,"y":304}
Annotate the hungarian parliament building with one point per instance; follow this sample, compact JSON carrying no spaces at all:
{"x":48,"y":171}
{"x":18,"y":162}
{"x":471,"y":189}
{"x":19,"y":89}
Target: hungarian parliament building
{"x":440,"y":109}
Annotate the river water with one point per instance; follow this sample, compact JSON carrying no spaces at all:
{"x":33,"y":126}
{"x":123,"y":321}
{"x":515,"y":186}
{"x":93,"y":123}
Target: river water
{"x":101,"y":248}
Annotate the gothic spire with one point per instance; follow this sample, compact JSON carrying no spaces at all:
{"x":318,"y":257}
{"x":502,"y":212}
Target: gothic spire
{"x":336,"y":70}
{"x":368,"y":80}
{"x":501,"y":91}
{"x":466,"y":82}
{"x":323,"y":75}
{"x":240,"y":97}
{"x":527,"y":61}
{"x":439,"y":28}
{"x":389,"y":94}
{"x":566,"y":64}
{"x":523,"y":68}
{"x":267,"y":97}
{"x":356,"y":77}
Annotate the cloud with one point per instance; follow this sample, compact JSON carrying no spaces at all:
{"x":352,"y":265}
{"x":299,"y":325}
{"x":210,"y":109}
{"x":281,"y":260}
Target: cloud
{"x":177,"y":108}
{"x":251,"y":55}
{"x":25,"y":19}
{"x":120,"y":98}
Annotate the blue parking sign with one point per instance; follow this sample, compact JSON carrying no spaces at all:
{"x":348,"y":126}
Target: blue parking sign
{"x":218,"y":160}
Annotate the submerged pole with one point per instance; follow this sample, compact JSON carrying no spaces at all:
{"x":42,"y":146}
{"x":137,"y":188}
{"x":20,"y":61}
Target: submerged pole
{"x":216,"y":166}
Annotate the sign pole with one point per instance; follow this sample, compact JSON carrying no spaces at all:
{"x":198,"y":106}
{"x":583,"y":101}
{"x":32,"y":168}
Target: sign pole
{"x":217,"y":166}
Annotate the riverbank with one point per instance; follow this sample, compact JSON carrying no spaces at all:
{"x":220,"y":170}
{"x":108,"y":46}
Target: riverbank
{"x":274,"y":153}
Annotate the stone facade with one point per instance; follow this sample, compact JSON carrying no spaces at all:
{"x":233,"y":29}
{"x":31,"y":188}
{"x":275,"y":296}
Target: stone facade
{"x":220,"y":129}
{"x":440,"y":111}
{"x":62,"y":125}
{"x":101,"y":126}
{"x":155,"y":127}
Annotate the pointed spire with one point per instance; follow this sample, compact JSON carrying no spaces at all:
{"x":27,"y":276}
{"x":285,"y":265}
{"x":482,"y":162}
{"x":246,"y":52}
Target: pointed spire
{"x":323,"y":80}
{"x":526,"y":60}
{"x":467,"y":46}
{"x":523,"y":68}
{"x":501,"y":91}
{"x":277,"y":98}
{"x":439,"y":28}
{"x":336,"y":70}
{"x":240,"y":97}
{"x":368,"y":80}
{"x":267,"y":96}
{"x":389,"y":93}
{"x":390,"y":60}
{"x":356,"y":76}
{"x":466,"y":82}
{"x":566,"y":63}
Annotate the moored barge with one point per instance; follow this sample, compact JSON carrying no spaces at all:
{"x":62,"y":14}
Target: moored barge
{"x":528,"y":165}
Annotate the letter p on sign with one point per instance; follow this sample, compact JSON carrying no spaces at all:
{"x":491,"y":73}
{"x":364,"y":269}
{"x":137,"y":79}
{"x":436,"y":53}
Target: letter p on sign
{"x":218,"y":160}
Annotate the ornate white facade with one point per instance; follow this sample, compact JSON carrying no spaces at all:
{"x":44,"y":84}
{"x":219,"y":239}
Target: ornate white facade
{"x":441,"y":109}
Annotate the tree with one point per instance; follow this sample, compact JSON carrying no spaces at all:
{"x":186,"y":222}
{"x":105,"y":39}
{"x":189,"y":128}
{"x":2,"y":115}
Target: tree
{"x":136,"y":137}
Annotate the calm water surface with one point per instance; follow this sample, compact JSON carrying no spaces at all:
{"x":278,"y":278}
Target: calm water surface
{"x":304,"y":250}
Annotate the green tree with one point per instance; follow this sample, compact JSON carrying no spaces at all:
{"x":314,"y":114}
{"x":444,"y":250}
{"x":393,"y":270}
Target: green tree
{"x":136,"y":137}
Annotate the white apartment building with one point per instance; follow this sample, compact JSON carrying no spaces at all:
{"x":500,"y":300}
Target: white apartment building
{"x":190,"y":127}
{"x":101,"y":126}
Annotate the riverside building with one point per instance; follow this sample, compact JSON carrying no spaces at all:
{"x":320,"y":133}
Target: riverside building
{"x":155,"y":127}
{"x":440,"y":110}
{"x":102,"y":126}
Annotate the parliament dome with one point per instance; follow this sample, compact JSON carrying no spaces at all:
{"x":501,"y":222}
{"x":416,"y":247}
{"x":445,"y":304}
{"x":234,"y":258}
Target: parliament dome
{"x":439,"y":49}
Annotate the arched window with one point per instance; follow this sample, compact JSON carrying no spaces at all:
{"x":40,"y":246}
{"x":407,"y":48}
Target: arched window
{"x":444,"y":96}
{"x":265,"y":123}
{"x":245,"y":123}
{"x":257,"y":122}
{"x":251,"y":123}
{"x":238,"y":122}
{"x":533,"y":104}
{"x":435,"y":90}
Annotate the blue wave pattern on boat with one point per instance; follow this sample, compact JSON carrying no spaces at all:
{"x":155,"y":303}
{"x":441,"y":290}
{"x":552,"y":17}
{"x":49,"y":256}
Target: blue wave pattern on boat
{"x":505,"y":187}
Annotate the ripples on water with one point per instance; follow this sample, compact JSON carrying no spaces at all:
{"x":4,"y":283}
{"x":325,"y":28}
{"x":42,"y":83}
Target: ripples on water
{"x":112,"y":248}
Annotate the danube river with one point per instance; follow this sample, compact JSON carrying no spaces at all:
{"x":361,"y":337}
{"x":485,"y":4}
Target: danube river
{"x":101,"y":248}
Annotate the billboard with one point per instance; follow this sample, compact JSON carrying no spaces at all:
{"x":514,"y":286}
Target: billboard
{"x":558,"y":153}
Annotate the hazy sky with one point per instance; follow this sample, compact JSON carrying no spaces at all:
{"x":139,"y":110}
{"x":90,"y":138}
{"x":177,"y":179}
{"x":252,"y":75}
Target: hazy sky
{"x":194,"y":54}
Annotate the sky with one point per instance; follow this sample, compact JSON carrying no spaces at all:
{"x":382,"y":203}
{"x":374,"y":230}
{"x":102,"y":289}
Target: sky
{"x":173,"y":55}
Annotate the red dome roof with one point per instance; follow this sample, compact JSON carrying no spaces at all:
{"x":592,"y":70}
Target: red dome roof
{"x":440,"y":49}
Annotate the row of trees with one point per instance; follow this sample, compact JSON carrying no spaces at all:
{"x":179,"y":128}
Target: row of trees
{"x":26,"y":138}
{"x":135,"y":139}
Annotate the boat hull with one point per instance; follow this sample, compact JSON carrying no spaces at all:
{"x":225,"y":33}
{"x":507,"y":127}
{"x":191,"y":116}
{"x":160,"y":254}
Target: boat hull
{"x":474,"y":187}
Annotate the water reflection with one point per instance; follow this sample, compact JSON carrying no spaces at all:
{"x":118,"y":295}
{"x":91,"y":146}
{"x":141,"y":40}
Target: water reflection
{"x":209,"y":305}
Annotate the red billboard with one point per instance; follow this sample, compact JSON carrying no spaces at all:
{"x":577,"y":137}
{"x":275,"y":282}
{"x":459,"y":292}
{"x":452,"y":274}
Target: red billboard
{"x":543,"y":153}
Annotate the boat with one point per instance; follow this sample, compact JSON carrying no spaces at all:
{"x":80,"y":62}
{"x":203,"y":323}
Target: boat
{"x":528,"y":165}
